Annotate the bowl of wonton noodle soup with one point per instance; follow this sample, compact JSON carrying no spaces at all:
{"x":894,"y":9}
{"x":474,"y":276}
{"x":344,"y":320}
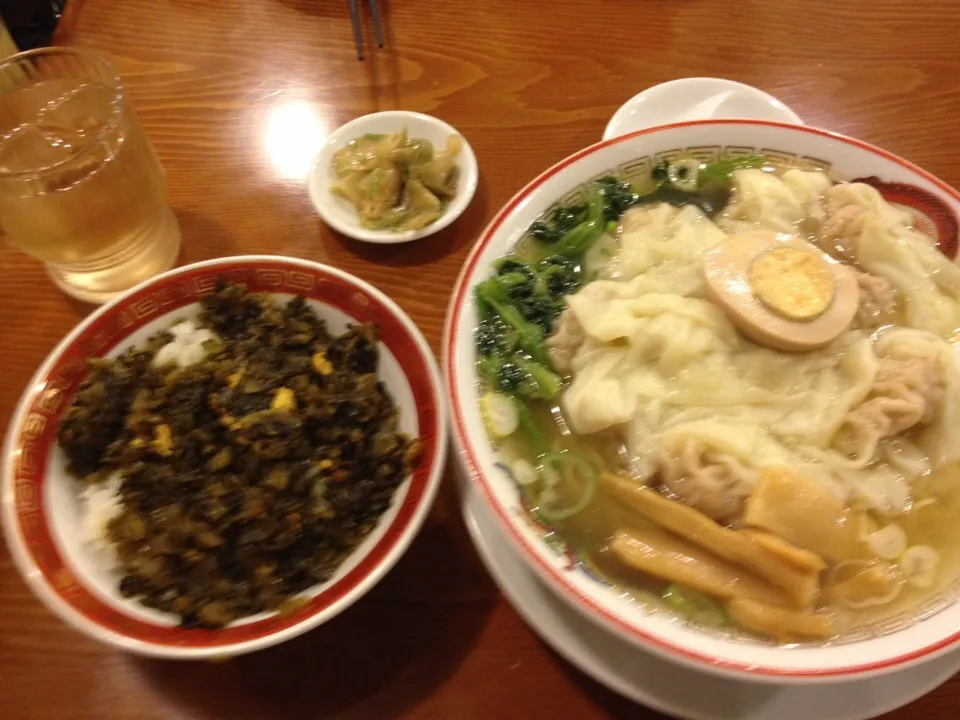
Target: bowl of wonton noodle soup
{"x":705,"y":376}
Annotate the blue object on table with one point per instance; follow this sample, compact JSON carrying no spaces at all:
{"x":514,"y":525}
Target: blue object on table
{"x":374,"y":8}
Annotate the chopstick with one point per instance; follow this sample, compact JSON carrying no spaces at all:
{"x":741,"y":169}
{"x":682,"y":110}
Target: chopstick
{"x":377,"y":30}
{"x":355,"y":19}
{"x":357,"y":37}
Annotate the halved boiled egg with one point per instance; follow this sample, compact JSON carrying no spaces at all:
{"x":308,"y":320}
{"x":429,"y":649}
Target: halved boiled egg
{"x":781,"y":291}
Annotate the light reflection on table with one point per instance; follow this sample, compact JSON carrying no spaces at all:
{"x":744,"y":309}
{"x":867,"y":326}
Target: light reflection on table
{"x":294,"y":134}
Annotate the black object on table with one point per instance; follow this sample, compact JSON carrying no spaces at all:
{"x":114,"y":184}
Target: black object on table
{"x":31,"y":23}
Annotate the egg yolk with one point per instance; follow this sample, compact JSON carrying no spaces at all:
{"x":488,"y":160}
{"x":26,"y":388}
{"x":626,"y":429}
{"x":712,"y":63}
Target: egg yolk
{"x":793,"y":283}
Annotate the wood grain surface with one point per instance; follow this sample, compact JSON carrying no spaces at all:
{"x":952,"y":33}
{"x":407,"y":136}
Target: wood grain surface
{"x":235,"y":93}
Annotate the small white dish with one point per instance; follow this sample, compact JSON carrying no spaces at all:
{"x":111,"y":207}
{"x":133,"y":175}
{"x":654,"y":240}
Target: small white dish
{"x":663,"y":685}
{"x":339,"y":214}
{"x":699,"y":98}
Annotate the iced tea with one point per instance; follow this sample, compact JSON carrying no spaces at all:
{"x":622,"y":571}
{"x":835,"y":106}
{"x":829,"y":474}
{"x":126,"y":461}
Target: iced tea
{"x":81,"y":188}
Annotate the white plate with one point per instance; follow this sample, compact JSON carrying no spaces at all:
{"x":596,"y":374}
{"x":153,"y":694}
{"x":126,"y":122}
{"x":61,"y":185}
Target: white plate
{"x":665,"y":686}
{"x":340,"y":214}
{"x":699,"y":98}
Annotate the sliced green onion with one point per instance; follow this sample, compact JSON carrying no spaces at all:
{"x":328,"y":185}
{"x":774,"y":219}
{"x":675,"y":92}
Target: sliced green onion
{"x":570,"y":484}
{"x":712,"y":614}
{"x":548,"y":496}
{"x":695,"y":606}
{"x":888,"y":543}
{"x":550,"y":475}
{"x":676,"y":600}
{"x":684,"y":174}
{"x":536,"y":439}
{"x":524,"y":473}
{"x":500,"y":415}
{"x":919,"y":564}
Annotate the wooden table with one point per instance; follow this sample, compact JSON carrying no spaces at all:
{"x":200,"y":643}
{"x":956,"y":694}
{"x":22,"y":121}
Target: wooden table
{"x":233,"y":92}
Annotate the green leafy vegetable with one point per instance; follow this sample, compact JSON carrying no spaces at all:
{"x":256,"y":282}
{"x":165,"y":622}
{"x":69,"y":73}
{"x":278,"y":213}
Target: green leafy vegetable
{"x":542,"y":311}
{"x":496,"y":296}
{"x":515,"y":316}
{"x":560,"y":276}
{"x":540,"y":382}
{"x":563,"y":220}
{"x":511,"y":264}
{"x":517,"y":309}
{"x":724,"y":169}
{"x":617,"y":197}
{"x":575,"y":242}
{"x":571,"y":230}
{"x":510,"y":376}
{"x":660,"y":171}
{"x":707,"y":186}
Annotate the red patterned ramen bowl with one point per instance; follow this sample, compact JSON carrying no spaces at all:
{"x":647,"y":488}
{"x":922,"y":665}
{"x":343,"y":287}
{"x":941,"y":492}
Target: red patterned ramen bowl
{"x":920,"y":633}
{"x":41,"y":503}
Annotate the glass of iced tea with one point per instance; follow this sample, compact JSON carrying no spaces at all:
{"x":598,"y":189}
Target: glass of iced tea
{"x":81,"y":188}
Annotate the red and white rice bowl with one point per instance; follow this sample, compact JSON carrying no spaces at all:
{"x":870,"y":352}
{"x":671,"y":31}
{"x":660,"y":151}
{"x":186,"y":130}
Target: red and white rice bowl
{"x":41,"y":503}
{"x":934,"y":628}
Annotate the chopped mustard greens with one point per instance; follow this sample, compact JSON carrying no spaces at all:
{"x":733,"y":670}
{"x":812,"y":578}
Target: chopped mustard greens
{"x":278,"y":477}
{"x":238,"y":517}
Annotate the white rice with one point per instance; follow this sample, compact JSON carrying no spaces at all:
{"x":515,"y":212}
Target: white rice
{"x":99,"y":504}
{"x":186,"y":348}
